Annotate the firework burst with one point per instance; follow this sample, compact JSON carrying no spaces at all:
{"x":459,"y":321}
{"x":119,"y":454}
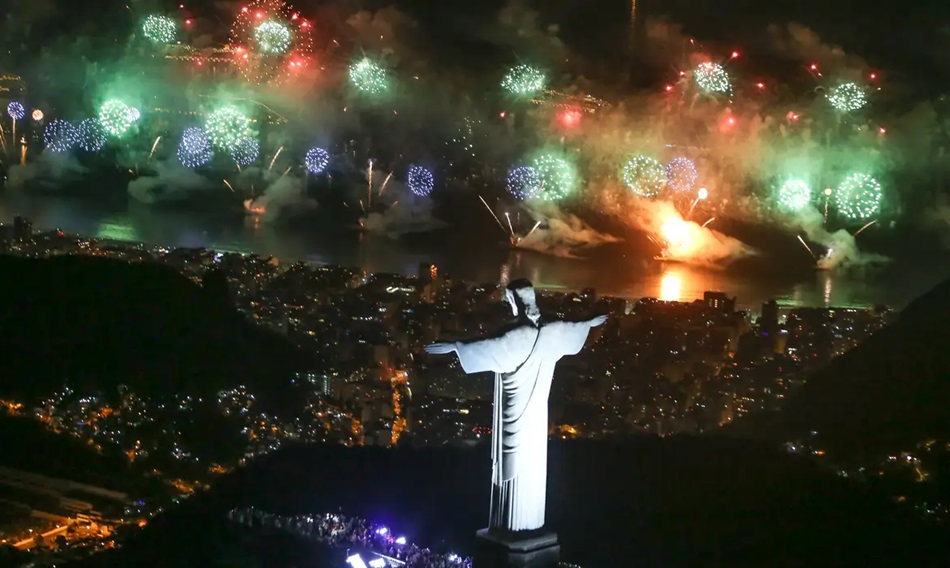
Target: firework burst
{"x":271,"y":41}
{"x":159,"y":29}
{"x":16,"y":111}
{"x":316,"y":160}
{"x":524,"y":182}
{"x":195,"y":149}
{"x":92,"y":137}
{"x":858,"y":197}
{"x":60,"y":136}
{"x":368,"y":77}
{"x":523,"y":80}
{"x":245,"y":152}
{"x":420,"y":181}
{"x":794,"y":195}
{"x":712,"y":78}
{"x":681,"y":174}
{"x":116,"y":117}
{"x":227,"y":127}
{"x":644,"y":175}
{"x":847,"y":97}
{"x":559,"y":177}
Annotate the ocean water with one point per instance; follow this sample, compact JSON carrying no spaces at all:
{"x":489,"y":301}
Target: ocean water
{"x":616,"y":269}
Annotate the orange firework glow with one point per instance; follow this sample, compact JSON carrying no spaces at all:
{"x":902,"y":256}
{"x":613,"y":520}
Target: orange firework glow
{"x":674,"y":231}
{"x":254,"y":208}
{"x":681,"y":239}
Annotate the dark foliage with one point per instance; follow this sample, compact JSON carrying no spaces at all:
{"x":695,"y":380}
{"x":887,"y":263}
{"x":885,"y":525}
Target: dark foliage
{"x":675,"y":502}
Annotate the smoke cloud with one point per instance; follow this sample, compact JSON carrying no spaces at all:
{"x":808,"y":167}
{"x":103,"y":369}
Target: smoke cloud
{"x":283,"y":197}
{"x":393,"y":210}
{"x":843,"y":251}
{"x":52,"y":170}
{"x":172,"y":182}
{"x":560,"y":234}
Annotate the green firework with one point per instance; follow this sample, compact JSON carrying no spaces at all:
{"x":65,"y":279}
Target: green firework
{"x":847,"y":97}
{"x":523,"y":80}
{"x":712,"y":78}
{"x":159,"y":29}
{"x":644,"y":175}
{"x":558,"y":176}
{"x":368,"y":77}
{"x":227,"y":127}
{"x":116,"y":117}
{"x":794,"y":195}
{"x":272,"y":38}
{"x":858,"y":196}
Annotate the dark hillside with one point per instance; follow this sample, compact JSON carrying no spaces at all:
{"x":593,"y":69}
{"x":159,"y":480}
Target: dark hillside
{"x":99,"y":323}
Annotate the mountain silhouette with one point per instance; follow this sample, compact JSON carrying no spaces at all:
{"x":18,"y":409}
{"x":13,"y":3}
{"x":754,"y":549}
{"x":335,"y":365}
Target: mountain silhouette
{"x":100,"y":323}
{"x":885,"y":395}
{"x":681,"y":502}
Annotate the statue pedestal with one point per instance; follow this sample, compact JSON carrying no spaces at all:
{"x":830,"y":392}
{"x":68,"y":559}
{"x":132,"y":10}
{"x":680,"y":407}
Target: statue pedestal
{"x":534,"y":549}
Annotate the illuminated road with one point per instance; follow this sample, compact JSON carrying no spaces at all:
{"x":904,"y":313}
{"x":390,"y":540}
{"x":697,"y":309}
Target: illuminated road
{"x":29,"y":543}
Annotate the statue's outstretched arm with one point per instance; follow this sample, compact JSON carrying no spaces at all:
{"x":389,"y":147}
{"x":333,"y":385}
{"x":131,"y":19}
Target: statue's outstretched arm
{"x":498,"y":354}
{"x":597,"y":321}
{"x":571,"y":336}
{"x":442,"y":348}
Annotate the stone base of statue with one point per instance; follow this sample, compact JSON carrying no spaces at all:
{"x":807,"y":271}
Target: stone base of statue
{"x":534,"y":549}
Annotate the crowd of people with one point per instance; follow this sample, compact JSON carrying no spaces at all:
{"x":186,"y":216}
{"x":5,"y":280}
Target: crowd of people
{"x":351,"y":533}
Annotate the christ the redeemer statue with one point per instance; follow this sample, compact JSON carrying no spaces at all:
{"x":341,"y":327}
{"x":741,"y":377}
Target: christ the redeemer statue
{"x":523,"y":359}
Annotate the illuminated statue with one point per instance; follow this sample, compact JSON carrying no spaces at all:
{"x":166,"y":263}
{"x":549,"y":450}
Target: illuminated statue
{"x":523,"y":359}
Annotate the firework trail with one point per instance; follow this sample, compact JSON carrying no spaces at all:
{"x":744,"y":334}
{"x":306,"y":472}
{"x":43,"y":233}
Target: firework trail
{"x":804,"y":244}
{"x":382,"y":188}
{"x":154,"y":145}
{"x":858,"y":232}
{"x":495,"y":217}
{"x":274,"y":159}
{"x":228,"y":184}
{"x":536,"y":225}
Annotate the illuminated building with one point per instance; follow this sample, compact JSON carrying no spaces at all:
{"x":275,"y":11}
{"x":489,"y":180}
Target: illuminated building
{"x":719,"y":302}
{"x":769,"y":320}
{"x":12,"y":87}
{"x":581,"y":102}
{"x":22,"y":228}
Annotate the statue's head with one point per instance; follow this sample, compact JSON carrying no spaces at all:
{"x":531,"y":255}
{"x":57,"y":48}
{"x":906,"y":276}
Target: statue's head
{"x":520,"y":295}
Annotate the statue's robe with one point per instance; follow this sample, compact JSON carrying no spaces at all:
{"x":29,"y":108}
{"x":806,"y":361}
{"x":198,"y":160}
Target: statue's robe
{"x":523,"y":361}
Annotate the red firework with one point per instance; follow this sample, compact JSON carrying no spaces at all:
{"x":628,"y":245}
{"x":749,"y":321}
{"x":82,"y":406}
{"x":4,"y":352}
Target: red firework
{"x":261,"y":67}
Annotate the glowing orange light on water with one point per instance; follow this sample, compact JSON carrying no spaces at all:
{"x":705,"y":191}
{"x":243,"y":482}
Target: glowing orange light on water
{"x":671,"y":287}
